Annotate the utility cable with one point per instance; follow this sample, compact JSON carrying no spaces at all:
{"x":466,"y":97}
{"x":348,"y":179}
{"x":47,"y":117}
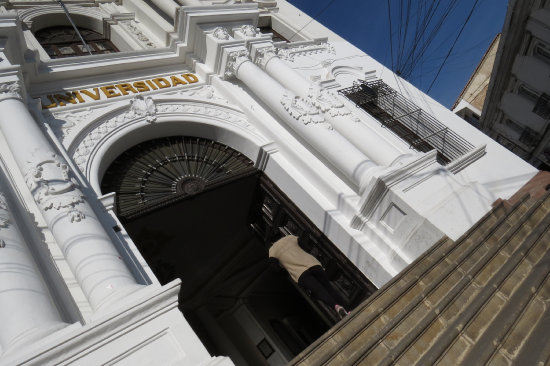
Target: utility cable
{"x":86,"y":47}
{"x":312,"y":18}
{"x":452,"y":47}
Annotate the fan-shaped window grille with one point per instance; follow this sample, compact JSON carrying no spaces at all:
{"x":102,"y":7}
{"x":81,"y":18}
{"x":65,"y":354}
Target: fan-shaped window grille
{"x":157,"y":172}
{"x":62,"y":41}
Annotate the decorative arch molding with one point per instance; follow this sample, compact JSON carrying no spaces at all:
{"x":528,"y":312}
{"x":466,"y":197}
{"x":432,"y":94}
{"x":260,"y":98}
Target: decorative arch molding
{"x":44,"y":16}
{"x":99,"y":142}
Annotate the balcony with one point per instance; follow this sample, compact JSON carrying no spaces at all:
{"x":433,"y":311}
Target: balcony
{"x":412,"y":124}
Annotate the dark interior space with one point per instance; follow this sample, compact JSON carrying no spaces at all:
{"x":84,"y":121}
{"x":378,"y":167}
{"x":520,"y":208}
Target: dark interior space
{"x":208,"y":242}
{"x":199,"y":211}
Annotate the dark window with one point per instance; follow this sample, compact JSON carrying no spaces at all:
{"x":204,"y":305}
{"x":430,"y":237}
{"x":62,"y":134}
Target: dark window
{"x":529,"y":137}
{"x":276,"y":36}
{"x":542,"y":107}
{"x":542,"y":52}
{"x":63,"y":41}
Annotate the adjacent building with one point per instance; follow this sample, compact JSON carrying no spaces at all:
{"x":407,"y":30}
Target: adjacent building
{"x":150,"y":152}
{"x":516,"y":110}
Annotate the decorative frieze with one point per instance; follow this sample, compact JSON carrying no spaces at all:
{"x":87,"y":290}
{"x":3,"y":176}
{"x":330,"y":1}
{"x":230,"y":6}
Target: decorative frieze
{"x":234,"y":60}
{"x":301,"y":110}
{"x":288,"y":53}
{"x":10,"y":90}
{"x":62,"y":123}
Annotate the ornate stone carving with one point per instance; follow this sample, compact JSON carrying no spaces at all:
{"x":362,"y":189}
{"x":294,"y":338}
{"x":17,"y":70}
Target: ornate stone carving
{"x":249,"y":30}
{"x":132,"y":27}
{"x":234,"y":60}
{"x":142,"y":107}
{"x":327,"y":102}
{"x":85,"y":147}
{"x":62,"y":123}
{"x":4,"y":214}
{"x":50,"y":184}
{"x":221,"y":33}
{"x":302,"y":50}
{"x":10,"y":90}
{"x":263,"y":55}
{"x":206,"y":92}
{"x":300,"y":109}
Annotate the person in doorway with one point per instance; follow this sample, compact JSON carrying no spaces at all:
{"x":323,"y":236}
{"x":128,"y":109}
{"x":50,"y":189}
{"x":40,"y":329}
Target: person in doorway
{"x":306,"y":270}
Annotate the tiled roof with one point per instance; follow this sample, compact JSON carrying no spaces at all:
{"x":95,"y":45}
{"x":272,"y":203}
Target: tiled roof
{"x":480,"y":300}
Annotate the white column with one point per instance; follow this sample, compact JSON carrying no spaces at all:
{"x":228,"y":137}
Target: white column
{"x":27,"y":312}
{"x":168,"y":7}
{"x":303,"y":118}
{"x":95,"y":262}
{"x":341,"y":118}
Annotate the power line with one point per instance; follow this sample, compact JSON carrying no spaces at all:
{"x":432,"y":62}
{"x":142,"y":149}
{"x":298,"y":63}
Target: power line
{"x":313,"y":18}
{"x":452,"y":47}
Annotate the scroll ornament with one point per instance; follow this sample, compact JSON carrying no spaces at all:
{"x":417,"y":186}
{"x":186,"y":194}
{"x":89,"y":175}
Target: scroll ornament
{"x":327,"y":102}
{"x":10,"y":90}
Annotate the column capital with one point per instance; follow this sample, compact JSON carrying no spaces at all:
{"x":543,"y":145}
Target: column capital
{"x":234,"y":60}
{"x":264,"y":55}
{"x":10,"y":90}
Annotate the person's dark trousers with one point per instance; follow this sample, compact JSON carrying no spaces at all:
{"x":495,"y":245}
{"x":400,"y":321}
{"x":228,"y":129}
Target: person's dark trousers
{"x":315,"y":279}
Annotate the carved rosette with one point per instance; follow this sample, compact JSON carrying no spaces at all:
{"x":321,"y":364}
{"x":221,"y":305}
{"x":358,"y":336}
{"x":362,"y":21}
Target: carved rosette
{"x":301,"y":110}
{"x":264,"y":55}
{"x":234,"y":60}
{"x":10,"y":90}
{"x":327,"y":102}
{"x":51,"y":186}
{"x":4,"y":214}
{"x":142,"y":107}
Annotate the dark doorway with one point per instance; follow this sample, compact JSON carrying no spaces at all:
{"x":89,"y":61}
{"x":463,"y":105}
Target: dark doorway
{"x":216,"y":240}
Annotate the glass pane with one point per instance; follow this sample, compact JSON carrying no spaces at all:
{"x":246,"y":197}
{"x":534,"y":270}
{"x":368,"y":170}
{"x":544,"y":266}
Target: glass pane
{"x":85,"y":49}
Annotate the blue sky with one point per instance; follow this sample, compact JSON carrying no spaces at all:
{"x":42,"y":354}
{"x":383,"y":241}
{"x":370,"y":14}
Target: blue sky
{"x":365,"y":23}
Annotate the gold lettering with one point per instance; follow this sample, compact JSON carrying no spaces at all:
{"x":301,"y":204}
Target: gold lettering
{"x":141,"y":86}
{"x":108,"y":91}
{"x":79,"y":97}
{"x":95,"y":95}
{"x":151,"y":84}
{"x":125,"y":88}
{"x":177,"y":81}
{"x":53,"y":103}
{"x":161,"y":82}
{"x":67,"y":97}
{"x":190,"y":78}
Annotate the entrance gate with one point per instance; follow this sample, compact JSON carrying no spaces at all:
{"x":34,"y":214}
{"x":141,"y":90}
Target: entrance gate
{"x":199,"y":210}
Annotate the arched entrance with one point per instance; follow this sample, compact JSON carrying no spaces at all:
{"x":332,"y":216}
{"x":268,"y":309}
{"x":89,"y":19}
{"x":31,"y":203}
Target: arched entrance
{"x":200,"y":211}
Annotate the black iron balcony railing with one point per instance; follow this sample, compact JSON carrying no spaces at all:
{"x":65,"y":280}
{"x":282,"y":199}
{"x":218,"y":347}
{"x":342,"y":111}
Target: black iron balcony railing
{"x":408,"y":121}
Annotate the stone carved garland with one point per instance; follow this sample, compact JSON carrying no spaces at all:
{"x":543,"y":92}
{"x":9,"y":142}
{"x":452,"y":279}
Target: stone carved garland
{"x":301,"y":110}
{"x":52,"y":187}
{"x":234,"y":60}
{"x":10,"y":90}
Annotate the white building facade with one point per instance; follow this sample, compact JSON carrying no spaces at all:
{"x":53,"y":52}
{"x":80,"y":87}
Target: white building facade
{"x":108,"y":160}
